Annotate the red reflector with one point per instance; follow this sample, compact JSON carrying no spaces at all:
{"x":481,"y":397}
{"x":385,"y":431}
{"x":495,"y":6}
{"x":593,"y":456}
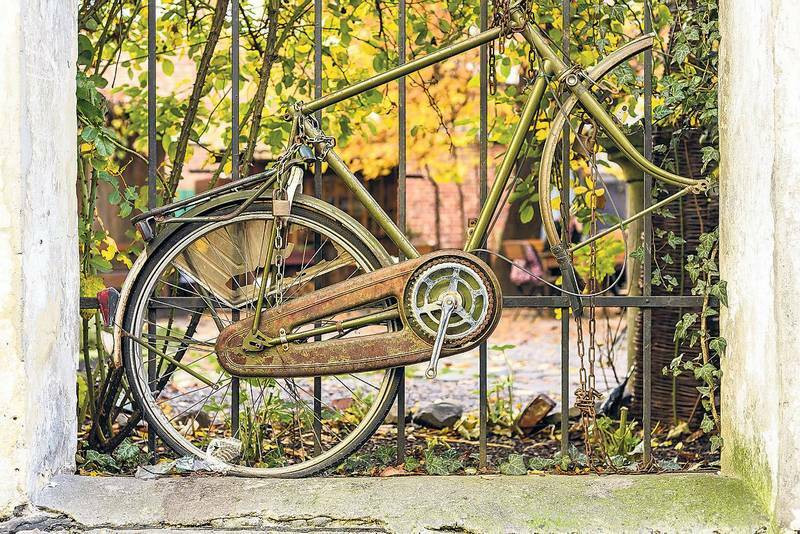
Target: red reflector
{"x":108,"y":300}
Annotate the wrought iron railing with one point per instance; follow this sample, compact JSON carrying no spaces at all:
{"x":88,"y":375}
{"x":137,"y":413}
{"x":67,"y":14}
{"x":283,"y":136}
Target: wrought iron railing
{"x":646,"y":302}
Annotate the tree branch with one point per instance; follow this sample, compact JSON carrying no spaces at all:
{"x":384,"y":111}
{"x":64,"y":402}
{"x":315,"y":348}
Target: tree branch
{"x":197,"y":92}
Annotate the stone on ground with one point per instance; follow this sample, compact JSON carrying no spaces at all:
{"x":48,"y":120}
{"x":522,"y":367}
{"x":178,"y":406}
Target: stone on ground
{"x":440,"y":414}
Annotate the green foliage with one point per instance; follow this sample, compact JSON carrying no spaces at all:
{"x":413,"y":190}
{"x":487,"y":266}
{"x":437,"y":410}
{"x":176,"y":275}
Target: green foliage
{"x":541,"y":464}
{"x":386,"y":455}
{"x":357,"y":463}
{"x":514,"y":465}
{"x":500,"y":408}
{"x":446,"y":462}
{"x":618,"y":437}
{"x":693,"y":327}
{"x":411,"y":464}
{"x":126,"y":457}
{"x":688,"y":88}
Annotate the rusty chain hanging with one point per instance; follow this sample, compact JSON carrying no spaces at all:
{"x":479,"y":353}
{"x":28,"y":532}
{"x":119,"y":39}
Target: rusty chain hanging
{"x":586,"y":395}
{"x":501,"y":18}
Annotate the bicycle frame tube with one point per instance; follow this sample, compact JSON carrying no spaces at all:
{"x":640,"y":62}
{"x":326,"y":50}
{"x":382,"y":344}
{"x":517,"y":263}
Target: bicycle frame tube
{"x":402,"y":70}
{"x":503,"y":174}
{"x":368,"y":201}
{"x":529,"y":113}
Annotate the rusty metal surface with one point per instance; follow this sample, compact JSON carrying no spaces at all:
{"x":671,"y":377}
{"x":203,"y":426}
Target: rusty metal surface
{"x":341,"y":355}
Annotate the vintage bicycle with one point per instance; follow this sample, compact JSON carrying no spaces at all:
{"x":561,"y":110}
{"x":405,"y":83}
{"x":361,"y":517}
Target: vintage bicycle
{"x":252,"y":299}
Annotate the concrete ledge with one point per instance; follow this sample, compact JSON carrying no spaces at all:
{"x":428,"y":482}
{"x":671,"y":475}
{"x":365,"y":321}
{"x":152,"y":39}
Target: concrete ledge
{"x":666,"y":503}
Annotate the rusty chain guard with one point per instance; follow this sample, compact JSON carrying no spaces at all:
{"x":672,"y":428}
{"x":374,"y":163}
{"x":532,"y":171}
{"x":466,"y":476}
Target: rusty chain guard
{"x":346,"y":355}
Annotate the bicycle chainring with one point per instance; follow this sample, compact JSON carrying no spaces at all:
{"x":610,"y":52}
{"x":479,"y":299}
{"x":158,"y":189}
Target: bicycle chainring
{"x":477,"y":294}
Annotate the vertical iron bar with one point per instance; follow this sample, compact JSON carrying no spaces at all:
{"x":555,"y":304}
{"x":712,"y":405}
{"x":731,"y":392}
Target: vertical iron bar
{"x":317,"y":193}
{"x":235,"y":90}
{"x":234,"y":174}
{"x":483,"y":353}
{"x":152,"y":147}
{"x":234,"y":391}
{"x":647,"y":344}
{"x":401,"y":205}
{"x":565,"y":187}
{"x":152,"y":379}
{"x":564,"y":380}
{"x":152,"y":161}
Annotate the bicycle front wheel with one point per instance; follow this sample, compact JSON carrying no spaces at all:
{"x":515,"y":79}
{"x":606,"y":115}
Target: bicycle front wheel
{"x":203,"y":278}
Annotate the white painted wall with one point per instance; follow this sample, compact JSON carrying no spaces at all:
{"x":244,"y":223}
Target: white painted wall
{"x":760,"y":253}
{"x":38,"y":245}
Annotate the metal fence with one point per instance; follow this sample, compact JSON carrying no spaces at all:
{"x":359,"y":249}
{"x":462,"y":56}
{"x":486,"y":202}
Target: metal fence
{"x":646,"y":301}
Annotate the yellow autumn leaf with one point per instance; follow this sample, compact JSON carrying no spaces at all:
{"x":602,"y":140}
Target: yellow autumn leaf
{"x":111,"y":250}
{"x":125,"y":260}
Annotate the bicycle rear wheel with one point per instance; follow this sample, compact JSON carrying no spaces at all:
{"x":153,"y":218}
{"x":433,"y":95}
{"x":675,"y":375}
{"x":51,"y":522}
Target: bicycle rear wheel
{"x":203,"y":278}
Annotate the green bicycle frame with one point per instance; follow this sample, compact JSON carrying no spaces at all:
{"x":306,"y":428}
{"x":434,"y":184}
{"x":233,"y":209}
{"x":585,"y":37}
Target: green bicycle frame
{"x":555,"y":68}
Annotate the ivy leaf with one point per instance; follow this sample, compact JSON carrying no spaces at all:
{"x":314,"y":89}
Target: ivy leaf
{"x":707,"y":425}
{"x":674,"y":240}
{"x":720,"y":290}
{"x":705,"y":372}
{"x":128,"y":453}
{"x":683,"y":325}
{"x":515,"y":465}
{"x":98,"y":460}
{"x":577,"y":456}
{"x":680,"y":53}
{"x":669,"y":465}
{"x":670,"y":282}
{"x":541,"y":464}
{"x":716,"y":443}
{"x":718,"y":345}
{"x":638,"y":253}
{"x":710,"y":155}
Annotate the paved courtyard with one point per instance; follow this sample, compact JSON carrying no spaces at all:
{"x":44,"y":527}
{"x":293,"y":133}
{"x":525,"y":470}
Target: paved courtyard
{"x":533,"y":357}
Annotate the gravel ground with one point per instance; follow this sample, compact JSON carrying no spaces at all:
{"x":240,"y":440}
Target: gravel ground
{"x":533,"y":359}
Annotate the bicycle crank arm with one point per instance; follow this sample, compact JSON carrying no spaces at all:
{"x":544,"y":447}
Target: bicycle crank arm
{"x":448,"y":307}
